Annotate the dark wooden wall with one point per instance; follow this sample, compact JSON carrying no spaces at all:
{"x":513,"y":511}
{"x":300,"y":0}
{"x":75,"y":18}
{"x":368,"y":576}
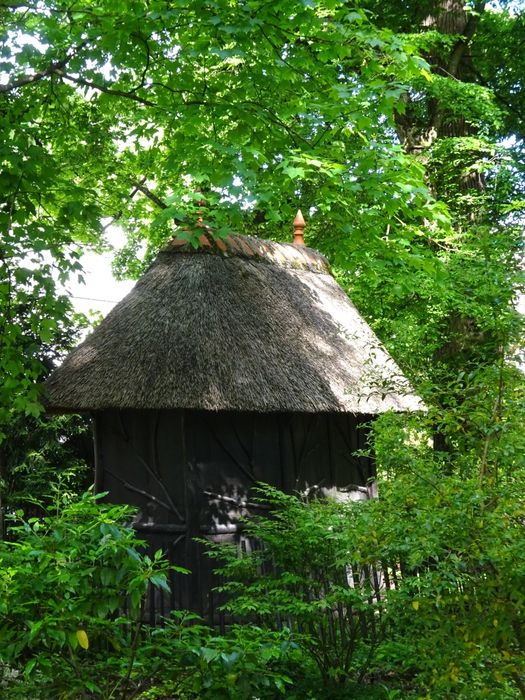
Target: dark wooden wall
{"x":190,"y":474}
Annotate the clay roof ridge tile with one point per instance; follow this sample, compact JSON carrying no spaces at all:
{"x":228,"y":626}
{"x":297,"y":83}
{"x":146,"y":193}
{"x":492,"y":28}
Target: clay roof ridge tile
{"x":221,"y":245}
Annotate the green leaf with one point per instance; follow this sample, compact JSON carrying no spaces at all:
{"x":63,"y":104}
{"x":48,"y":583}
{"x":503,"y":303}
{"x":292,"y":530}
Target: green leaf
{"x":30,"y":665}
{"x":82,"y":639}
{"x":294,"y":172}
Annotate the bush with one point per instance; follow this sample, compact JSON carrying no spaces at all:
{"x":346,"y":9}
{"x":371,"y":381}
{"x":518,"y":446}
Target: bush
{"x":451,"y":626}
{"x":304,"y":574}
{"x":190,"y":661}
{"x":72,"y":592}
{"x":458,"y":613}
{"x":72,"y":586}
{"x":319,"y":627}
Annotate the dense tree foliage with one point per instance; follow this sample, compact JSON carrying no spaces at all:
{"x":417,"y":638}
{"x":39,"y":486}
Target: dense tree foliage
{"x":126,"y":110}
{"x":398,"y":128}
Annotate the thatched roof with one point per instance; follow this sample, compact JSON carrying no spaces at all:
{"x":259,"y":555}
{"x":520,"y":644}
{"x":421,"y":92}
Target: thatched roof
{"x":238,"y":324}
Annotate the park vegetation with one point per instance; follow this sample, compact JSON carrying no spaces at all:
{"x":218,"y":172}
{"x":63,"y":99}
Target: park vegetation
{"x":398,"y":129}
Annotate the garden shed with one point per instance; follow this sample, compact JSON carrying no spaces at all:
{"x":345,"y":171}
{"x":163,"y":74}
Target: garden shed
{"x":236,"y":362}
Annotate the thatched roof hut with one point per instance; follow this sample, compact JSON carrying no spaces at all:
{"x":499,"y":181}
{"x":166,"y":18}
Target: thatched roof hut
{"x":237,"y":362}
{"x":239,"y":324}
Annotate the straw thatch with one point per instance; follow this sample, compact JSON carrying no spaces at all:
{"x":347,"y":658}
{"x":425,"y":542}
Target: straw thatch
{"x":238,"y":324}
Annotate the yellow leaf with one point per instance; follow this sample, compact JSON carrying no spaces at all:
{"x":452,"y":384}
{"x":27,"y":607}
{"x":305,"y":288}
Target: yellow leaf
{"x":426,"y":75}
{"x":83,"y":639}
{"x":415,"y":604}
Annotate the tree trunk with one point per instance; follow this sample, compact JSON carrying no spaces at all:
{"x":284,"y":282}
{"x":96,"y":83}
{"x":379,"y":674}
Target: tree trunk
{"x":420,"y":128}
{"x":449,"y":17}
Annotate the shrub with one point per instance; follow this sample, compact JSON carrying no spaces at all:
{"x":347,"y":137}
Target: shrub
{"x":451,"y":626}
{"x":190,"y":661}
{"x":457,"y":616}
{"x":72,"y":590}
{"x":303,"y":574}
{"x":72,"y":586}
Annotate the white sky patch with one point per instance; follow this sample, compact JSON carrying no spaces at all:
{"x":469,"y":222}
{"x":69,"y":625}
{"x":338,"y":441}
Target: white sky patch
{"x":100,"y":291}
{"x":17,"y":41}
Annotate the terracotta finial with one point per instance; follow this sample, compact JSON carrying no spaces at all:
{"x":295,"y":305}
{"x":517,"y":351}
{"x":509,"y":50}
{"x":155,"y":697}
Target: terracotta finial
{"x":298,"y":228}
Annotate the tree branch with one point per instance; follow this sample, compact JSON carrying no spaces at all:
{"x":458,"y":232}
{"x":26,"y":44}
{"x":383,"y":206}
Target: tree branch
{"x":148,"y":60}
{"x":274,"y":119}
{"x":463,"y":43}
{"x":141,"y":187}
{"x":129,"y":94}
{"x":53,"y":68}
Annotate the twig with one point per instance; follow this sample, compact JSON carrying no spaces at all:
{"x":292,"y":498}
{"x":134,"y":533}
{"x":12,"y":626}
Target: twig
{"x":141,"y":187}
{"x":134,"y":645}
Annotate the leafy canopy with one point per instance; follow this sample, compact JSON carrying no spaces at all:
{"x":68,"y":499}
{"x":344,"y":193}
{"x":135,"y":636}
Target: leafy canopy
{"x":138,"y":111}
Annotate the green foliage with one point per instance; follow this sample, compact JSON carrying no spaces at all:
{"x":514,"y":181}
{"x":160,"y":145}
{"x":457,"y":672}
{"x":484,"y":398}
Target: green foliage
{"x":362,"y":116}
{"x":43,"y":210}
{"x":190,"y":661}
{"x":38,"y":452}
{"x":65,"y":582}
{"x":459,"y":610}
{"x":137,"y":111}
{"x":499,"y":44}
{"x":73,"y":590}
{"x":296,"y":576}
{"x":474,"y":104}
{"x":451,"y":626}
{"x":398,"y":127}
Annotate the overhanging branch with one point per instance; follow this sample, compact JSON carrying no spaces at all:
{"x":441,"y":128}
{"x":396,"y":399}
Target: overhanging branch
{"x":54,"y":68}
{"x":141,"y":187}
{"x":128,"y":94}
